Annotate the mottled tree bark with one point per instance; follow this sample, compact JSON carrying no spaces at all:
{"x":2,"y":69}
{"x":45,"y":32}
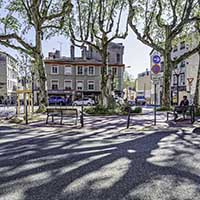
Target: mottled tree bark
{"x":196,"y":95}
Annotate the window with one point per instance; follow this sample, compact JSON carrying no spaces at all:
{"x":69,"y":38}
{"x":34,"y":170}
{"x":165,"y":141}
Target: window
{"x":182,"y":78}
{"x":68,"y":70}
{"x":182,"y":45}
{"x":91,"y":85}
{"x":174,"y":80}
{"x":54,"y":84}
{"x":182,"y":64}
{"x":116,"y":84}
{"x":79,"y":85}
{"x":80,"y":70}
{"x":68,"y":85}
{"x":114,"y":70}
{"x":118,"y":58}
{"x":54,"y":69}
{"x":91,"y":70}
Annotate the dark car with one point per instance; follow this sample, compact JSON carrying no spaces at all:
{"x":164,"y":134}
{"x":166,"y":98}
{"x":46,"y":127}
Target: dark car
{"x":57,"y":101}
{"x":140,"y":100}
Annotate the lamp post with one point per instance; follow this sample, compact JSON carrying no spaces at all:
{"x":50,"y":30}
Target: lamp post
{"x":127,"y":86}
{"x":190,"y":80}
{"x":177,"y":74}
{"x":32,"y":85}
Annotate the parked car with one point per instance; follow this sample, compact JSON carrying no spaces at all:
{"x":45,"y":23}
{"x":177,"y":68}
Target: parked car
{"x":84,"y":101}
{"x":131,"y":102}
{"x":140,"y":100}
{"x":57,"y":100}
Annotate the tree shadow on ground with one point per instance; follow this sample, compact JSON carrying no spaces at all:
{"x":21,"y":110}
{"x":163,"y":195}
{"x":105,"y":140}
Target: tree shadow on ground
{"x":76,"y":165}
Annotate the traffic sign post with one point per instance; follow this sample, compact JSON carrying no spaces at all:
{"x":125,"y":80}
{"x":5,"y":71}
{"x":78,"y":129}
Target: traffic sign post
{"x":155,"y":70}
{"x":190,"y":80}
{"x":155,"y":97}
{"x":156,"y":59}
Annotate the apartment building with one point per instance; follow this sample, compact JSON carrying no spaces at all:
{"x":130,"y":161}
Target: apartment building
{"x":143,"y":85}
{"x":185,"y":70}
{"x":76,"y":76}
{"x":8,"y":77}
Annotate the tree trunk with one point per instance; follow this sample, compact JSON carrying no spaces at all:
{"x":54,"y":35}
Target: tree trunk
{"x":42,"y":84}
{"x":196,"y":95}
{"x":106,"y":85}
{"x":167,"y":79}
{"x":41,"y":71}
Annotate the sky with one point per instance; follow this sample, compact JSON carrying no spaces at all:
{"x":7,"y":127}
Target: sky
{"x":136,"y":54}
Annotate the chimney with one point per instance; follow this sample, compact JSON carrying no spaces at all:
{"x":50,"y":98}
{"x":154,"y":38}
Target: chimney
{"x":72,"y":52}
{"x":84,"y":51}
{"x":57,"y":54}
{"x":51,"y":55}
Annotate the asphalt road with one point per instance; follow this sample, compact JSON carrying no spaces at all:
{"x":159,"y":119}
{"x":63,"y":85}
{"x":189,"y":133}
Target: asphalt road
{"x":103,"y":161}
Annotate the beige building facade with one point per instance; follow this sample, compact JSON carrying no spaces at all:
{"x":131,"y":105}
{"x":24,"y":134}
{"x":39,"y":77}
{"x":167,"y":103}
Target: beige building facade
{"x":81,"y":76}
{"x":8,"y":78}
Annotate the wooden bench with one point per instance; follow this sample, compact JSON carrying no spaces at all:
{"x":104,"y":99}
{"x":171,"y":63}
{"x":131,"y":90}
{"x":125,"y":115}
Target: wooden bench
{"x":189,"y":111}
{"x":62,"y":112}
{"x":69,"y":113}
{"x":52,"y":112}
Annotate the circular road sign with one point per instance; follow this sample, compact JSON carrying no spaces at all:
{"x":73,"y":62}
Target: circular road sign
{"x":156,"y":59}
{"x":155,"y":69}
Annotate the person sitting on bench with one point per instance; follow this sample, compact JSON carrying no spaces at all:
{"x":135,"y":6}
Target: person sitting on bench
{"x":182,"y":108}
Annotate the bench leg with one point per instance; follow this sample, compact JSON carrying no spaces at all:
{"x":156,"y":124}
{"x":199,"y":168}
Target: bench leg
{"x":76,"y":120}
{"x":175,"y":116}
{"x":52,"y":119}
{"x":128,"y":121}
{"x":47,"y":119}
{"x":184,"y":115}
{"x":61,"y":118}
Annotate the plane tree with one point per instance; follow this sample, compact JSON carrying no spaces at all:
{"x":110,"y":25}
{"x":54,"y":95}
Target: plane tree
{"x":160,"y":24}
{"x":23,"y":26}
{"x":96,"y":23}
{"x":197,"y":86}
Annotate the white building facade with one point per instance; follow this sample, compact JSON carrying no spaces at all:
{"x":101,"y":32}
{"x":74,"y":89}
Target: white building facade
{"x":181,"y":73}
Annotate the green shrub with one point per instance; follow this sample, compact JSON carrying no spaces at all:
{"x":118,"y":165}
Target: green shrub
{"x":197,"y":112}
{"x":99,"y":110}
{"x":118,"y":110}
{"x":162,"y":109}
{"x":137,"y":110}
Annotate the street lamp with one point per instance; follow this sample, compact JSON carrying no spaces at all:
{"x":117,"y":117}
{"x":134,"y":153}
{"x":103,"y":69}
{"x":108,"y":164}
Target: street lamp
{"x":177,"y":74}
{"x":127,"y":87}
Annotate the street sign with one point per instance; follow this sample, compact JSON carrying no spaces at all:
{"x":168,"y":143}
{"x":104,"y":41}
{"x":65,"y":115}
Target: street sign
{"x":156,"y":80}
{"x":190,"y":80}
{"x":155,"y":69}
{"x":156,"y":59}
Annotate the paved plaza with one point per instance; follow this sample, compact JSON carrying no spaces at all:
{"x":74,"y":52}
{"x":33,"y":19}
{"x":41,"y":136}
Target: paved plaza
{"x":102,"y":161}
